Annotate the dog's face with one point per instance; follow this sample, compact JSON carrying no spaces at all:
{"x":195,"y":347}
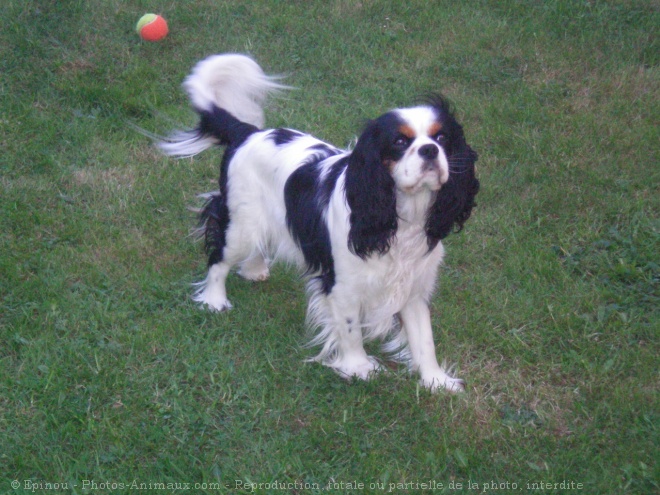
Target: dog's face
{"x":415,"y":149}
{"x":400,"y":155}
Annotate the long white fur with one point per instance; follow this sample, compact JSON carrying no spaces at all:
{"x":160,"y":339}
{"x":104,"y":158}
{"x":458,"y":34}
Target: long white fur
{"x":382,"y":297}
{"x":230,"y":81}
{"x":233,"y":82}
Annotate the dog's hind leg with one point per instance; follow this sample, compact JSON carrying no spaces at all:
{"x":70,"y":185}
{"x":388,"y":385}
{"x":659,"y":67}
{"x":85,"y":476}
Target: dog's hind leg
{"x":215,"y":224}
{"x":238,"y":246}
{"x":255,"y":267}
{"x":212,"y":292}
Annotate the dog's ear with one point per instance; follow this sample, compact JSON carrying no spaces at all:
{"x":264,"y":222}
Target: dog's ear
{"x":455,"y":200}
{"x":370,"y":193}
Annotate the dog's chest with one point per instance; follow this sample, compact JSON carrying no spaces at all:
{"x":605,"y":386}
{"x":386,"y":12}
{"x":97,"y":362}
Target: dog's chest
{"x":408,"y":270}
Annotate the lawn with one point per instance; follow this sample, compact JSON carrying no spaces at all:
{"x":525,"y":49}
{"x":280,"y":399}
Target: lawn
{"x":112,"y":379}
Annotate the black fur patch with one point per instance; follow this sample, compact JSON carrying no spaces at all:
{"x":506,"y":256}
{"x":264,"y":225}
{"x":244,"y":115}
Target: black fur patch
{"x":226,"y":128}
{"x":370,"y":188}
{"x":284,"y":136}
{"x":306,"y":197}
{"x":328,"y":185}
{"x":214,"y":219}
{"x":456,"y":199}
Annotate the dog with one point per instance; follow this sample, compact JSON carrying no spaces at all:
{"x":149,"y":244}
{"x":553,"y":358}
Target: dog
{"x":365,"y":224}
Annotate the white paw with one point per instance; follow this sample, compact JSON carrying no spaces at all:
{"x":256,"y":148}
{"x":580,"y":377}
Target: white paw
{"x":363,"y":368}
{"x":215,"y":303}
{"x":440,"y":380}
{"x":256,"y":275}
{"x":254,"y":268}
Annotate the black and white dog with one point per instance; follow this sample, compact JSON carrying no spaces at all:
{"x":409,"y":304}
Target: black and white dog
{"x":365,"y":224}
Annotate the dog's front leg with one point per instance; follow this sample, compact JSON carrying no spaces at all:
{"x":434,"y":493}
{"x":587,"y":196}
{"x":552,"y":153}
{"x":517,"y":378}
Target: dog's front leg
{"x":416,"y":320}
{"x":351,"y":359}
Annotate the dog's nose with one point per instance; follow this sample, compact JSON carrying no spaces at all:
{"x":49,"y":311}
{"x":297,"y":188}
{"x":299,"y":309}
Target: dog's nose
{"x":428,"y":151}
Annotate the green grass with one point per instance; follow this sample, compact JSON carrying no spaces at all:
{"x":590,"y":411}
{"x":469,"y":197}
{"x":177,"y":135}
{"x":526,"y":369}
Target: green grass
{"x":548,"y":302}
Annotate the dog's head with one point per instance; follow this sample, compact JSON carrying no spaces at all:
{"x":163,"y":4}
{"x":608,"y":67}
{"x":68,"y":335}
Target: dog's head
{"x":406,"y":154}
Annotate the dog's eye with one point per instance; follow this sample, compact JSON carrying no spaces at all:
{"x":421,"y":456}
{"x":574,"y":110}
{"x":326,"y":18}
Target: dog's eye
{"x":440,"y":137}
{"x":401,"y":141}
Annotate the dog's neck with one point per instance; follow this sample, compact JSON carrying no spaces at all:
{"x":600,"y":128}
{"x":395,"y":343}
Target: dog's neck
{"x":412,"y":209}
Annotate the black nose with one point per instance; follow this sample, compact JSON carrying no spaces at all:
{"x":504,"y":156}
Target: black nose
{"x":428,"y":151}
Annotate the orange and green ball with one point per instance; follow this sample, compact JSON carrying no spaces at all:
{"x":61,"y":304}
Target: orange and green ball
{"x":152,"y":27}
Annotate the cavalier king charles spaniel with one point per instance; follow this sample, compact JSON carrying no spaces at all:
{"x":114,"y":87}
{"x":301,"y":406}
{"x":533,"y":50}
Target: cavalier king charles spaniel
{"x":364,"y":224}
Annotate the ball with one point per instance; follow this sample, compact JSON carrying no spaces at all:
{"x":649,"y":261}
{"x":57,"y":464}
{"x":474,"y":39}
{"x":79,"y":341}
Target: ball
{"x":152,"y":27}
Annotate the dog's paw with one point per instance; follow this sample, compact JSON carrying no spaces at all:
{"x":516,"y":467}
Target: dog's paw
{"x":254,"y":268}
{"x":362,"y":368}
{"x":215,"y":304}
{"x":218,"y":307}
{"x":255,"y":274}
{"x":440,"y":380}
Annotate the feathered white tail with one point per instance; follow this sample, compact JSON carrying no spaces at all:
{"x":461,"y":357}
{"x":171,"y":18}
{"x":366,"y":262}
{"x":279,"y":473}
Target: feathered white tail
{"x":232,"y":82}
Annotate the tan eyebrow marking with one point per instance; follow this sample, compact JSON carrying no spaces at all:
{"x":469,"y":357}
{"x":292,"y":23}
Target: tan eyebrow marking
{"x":407,"y":131}
{"x":435,"y":128}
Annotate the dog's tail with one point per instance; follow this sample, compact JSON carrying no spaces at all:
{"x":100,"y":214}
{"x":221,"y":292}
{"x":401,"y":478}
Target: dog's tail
{"x":228,"y":91}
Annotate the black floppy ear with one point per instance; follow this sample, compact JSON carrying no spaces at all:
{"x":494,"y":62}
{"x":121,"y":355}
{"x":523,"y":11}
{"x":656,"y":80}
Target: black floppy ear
{"x":370,"y":193}
{"x":455,"y":200}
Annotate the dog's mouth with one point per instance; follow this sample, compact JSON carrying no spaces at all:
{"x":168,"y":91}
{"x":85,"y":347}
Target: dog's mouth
{"x":433,"y":177}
